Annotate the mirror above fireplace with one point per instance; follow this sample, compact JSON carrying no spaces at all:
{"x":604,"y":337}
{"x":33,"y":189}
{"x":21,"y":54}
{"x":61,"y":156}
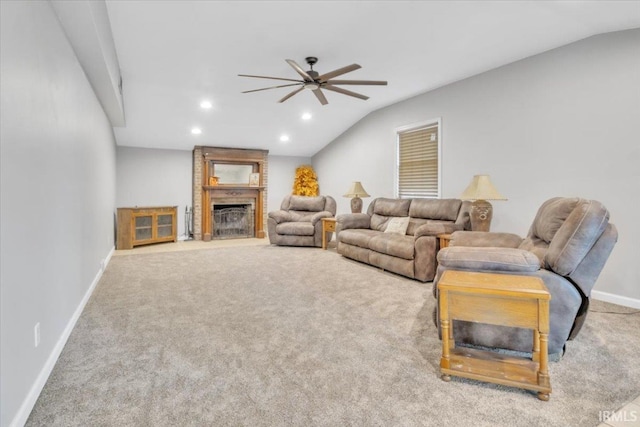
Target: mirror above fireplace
{"x":231,"y":174}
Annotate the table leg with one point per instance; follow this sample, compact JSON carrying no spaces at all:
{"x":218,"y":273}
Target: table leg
{"x":543,"y":370}
{"x":445,"y":361}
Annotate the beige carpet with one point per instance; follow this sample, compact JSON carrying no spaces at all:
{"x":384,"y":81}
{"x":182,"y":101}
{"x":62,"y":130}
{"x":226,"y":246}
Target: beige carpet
{"x":265,"y":335}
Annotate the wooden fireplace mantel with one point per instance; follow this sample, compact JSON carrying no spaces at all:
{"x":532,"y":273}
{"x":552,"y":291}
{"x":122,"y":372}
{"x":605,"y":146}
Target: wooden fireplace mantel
{"x":229,"y":189}
{"x":230,"y":192}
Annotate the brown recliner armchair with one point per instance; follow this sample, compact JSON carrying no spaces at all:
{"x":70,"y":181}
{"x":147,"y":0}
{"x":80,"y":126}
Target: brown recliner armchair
{"x":567,"y":246}
{"x":298,"y":222}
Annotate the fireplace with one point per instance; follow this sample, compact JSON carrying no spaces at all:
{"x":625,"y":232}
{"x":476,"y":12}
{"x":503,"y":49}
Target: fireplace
{"x":232,"y":221}
{"x":229,"y":178}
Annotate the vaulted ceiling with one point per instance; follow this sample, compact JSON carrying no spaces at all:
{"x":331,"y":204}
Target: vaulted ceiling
{"x":174,"y":54}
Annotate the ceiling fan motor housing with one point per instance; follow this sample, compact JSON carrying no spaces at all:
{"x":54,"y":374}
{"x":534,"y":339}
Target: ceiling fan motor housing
{"x":311,"y":60}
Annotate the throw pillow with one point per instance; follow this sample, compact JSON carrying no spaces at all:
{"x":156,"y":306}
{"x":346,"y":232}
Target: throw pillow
{"x":398,"y":225}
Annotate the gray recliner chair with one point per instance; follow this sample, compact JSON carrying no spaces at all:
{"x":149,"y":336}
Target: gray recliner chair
{"x":567,"y":246}
{"x":298,"y":222}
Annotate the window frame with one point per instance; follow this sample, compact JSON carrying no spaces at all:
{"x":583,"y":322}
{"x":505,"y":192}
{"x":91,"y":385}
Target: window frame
{"x":412,"y":127}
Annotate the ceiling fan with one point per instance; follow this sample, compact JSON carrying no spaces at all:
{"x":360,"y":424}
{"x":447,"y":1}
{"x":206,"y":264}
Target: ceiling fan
{"x":315,"y":82}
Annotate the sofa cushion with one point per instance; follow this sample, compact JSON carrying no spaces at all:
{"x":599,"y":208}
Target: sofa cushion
{"x":357,"y":237}
{"x":392,"y":263}
{"x":550,"y":217}
{"x":393,"y":245}
{"x":379,"y":222}
{"x":391,"y":207}
{"x":488,"y":259}
{"x":575,"y":237}
{"x":536,"y":246}
{"x":301,"y":216}
{"x":397,"y":225}
{"x":442,"y":209}
{"x":296,"y":228}
{"x":304,"y":203}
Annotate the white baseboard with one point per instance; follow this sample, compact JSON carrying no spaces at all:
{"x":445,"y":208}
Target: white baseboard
{"x":616,"y":299}
{"x":27,"y":405}
{"x":106,"y":262}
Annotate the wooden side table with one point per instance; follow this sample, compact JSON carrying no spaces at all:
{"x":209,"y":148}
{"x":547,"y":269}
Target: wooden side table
{"x":444,"y":240}
{"x":328,"y":225}
{"x":497,"y":299}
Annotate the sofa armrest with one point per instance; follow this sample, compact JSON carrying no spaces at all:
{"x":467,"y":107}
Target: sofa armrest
{"x":436,"y":229}
{"x":485,"y":239}
{"x":283,"y":216}
{"x":319,"y":215}
{"x":488,"y":259}
{"x":359,"y":220}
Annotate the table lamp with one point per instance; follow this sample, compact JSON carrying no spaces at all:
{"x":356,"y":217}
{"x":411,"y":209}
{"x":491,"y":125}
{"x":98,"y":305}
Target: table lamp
{"x":355,"y":192}
{"x":480,"y":190}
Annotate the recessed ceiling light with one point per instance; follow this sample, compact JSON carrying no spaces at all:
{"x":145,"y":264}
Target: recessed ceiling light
{"x":284,"y":138}
{"x":306,"y":116}
{"x":206,"y":105}
{"x":196,"y":131}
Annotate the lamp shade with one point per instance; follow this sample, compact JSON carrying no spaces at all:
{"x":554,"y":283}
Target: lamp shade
{"x":356,"y":190}
{"x":481,"y":188}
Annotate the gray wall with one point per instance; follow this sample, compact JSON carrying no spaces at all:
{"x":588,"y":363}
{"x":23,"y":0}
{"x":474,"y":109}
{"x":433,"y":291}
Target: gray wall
{"x":562,"y":123}
{"x":154,"y":177}
{"x":57,"y":197}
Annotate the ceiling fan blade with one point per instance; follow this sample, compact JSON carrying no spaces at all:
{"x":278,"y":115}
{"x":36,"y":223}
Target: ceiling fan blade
{"x":318,"y":93}
{"x":272,"y":87}
{"x":344,"y":91}
{"x":338,"y":72}
{"x":272,"y":78}
{"x":358,"y":82}
{"x":292,"y":93}
{"x":299,"y":70}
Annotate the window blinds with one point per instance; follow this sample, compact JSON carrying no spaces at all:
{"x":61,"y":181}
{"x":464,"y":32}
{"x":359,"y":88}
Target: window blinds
{"x":418,"y":163}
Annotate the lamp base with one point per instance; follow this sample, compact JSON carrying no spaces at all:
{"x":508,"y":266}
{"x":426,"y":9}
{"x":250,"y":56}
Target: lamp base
{"x":356,"y":205}
{"x":481,"y":213}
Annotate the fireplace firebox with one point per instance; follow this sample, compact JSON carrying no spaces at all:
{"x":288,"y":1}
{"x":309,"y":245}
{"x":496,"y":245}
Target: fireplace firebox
{"x":232,"y":221}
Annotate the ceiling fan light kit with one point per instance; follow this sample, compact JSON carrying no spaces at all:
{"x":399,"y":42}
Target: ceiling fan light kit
{"x":315,"y":82}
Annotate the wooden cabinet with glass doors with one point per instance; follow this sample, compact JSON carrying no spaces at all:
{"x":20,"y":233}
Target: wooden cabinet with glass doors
{"x":146,"y":225}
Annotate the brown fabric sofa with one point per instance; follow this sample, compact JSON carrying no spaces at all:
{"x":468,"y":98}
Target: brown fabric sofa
{"x":567,"y":246}
{"x":362,"y":236}
{"x":297,"y":223}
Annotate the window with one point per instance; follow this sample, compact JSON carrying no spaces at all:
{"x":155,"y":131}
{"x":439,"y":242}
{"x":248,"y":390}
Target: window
{"x":418,"y":173}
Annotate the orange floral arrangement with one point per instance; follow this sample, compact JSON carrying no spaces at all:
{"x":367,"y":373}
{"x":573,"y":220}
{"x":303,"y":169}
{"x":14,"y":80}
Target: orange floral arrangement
{"x":306,"y":182}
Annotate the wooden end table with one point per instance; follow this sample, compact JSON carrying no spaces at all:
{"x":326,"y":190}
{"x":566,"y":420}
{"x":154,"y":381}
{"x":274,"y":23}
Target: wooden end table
{"x":444,"y":240}
{"x":328,"y":225}
{"x":496,"y":299}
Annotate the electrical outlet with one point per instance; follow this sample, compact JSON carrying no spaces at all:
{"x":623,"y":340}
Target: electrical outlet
{"x":36,"y":334}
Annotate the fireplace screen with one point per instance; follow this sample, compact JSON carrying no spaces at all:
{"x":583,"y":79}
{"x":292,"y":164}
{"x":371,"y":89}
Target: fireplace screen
{"x":232,"y":221}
